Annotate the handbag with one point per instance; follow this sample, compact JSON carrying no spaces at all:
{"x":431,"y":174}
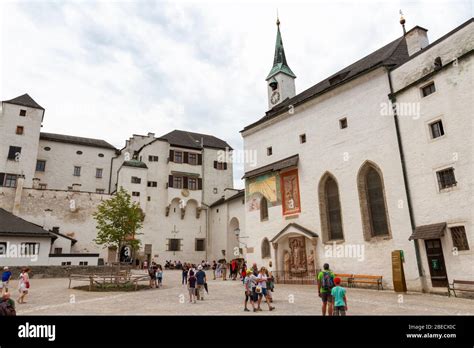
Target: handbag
{"x":27,"y":285}
{"x":258,"y":289}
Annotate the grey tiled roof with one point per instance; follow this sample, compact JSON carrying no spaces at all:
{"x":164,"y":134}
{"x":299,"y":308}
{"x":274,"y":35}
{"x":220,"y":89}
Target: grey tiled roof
{"x":24,"y":100}
{"x":11,"y":225}
{"x":62,"y":138}
{"x":221,"y":200}
{"x":432,"y":231}
{"x":192,"y":140}
{"x":134,"y":163}
{"x":389,"y":55}
{"x":273,"y":167}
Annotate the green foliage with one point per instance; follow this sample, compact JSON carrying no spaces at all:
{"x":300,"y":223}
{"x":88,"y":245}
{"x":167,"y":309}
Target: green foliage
{"x":118,"y":221}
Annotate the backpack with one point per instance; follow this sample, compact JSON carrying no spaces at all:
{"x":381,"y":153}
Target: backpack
{"x":328,"y":282}
{"x":6,"y":310}
{"x":151,"y":272}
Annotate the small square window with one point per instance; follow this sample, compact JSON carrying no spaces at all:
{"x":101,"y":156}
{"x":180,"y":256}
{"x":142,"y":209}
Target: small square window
{"x":428,"y":89}
{"x":148,"y":198}
{"x":459,"y":237}
{"x":83,"y":263}
{"x":10,"y":180}
{"x":136,"y":180}
{"x":446,"y":178}
{"x":77,"y":171}
{"x":40,"y":165}
{"x":135,"y":194}
{"x":302,"y":138}
{"x":98,"y":173}
{"x":22,"y":112}
{"x":174,"y":244}
{"x":269,"y":151}
{"x":152,"y":184}
{"x":437,"y":129}
{"x":200,"y":245}
{"x":343,"y":123}
{"x":214,"y":190}
{"x":20,"y":130}
{"x":152,"y":158}
{"x":14,"y":153}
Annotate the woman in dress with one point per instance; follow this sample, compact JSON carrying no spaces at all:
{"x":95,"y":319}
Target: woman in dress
{"x":23,"y":285}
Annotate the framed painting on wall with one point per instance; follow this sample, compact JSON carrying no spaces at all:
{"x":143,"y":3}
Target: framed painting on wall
{"x":290,"y":192}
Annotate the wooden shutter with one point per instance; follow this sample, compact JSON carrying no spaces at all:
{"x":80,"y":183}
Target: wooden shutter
{"x":170,"y":181}
{"x":185,"y":182}
{"x":199,"y":184}
{"x":185,"y":157}
{"x":225,"y":165}
{"x":199,"y":159}
{"x":171,"y":155}
{"x":215,"y":164}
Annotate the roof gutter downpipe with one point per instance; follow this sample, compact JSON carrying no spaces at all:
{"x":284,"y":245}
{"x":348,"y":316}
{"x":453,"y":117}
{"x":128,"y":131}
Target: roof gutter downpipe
{"x":393,"y":100}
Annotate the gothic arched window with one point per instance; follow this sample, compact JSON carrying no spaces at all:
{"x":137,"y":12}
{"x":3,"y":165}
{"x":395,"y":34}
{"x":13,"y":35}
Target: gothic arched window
{"x":263,"y":209}
{"x":330,"y":209}
{"x":265,"y":249}
{"x":372,"y":200}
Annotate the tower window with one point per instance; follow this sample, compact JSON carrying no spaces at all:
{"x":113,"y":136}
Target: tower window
{"x":446,"y":178}
{"x":22,"y":112}
{"x":303,"y":138}
{"x":20,"y":130}
{"x":77,"y":171}
{"x":98,"y":172}
{"x":269,"y":151}
{"x":437,"y":129}
{"x":14,"y":152}
{"x":135,"y":194}
{"x":428,"y":89}
{"x":343,"y":123}
{"x":40,"y":165}
{"x":136,"y":180}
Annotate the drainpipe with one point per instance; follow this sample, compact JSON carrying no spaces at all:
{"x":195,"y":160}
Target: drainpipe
{"x":393,"y":100}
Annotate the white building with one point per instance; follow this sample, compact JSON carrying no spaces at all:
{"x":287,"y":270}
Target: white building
{"x":330,"y":184}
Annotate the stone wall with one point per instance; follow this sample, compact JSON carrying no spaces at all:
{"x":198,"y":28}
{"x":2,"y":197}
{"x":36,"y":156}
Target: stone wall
{"x":64,"y":271}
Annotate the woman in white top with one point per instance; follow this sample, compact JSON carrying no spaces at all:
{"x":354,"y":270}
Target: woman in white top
{"x":23,"y":285}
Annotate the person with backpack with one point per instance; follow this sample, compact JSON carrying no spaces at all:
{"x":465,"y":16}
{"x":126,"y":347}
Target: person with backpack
{"x":325,"y":285}
{"x":7,"y":306}
{"x":201,"y":281}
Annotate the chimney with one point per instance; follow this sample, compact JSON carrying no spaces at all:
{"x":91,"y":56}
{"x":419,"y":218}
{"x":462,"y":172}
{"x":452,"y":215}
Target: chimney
{"x":416,"y":39}
{"x":19,"y":190}
{"x":55,"y":229}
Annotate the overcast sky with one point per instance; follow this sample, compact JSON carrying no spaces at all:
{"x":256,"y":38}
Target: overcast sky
{"x":111,"y":69}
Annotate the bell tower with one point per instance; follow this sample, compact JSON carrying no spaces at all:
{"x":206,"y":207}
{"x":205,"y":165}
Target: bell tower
{"x":280,"y":80}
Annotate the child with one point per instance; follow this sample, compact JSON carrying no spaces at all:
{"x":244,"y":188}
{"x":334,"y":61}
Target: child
{"x":192,"y":286}
{"x":338,"y":294}
{"x":159,"y":276}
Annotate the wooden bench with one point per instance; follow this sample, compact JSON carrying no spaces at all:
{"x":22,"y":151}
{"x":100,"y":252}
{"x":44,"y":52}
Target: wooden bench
{"x":345,"y":278}
{"x":460,"y":285}
{"x":367,"y":279}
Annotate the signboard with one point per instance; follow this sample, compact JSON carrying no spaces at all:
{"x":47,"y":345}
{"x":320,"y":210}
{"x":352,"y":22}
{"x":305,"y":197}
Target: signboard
{"x":398,"y":275}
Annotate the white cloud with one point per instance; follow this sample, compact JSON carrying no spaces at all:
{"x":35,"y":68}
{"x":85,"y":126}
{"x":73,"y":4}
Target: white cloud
{"x":112,"y":68}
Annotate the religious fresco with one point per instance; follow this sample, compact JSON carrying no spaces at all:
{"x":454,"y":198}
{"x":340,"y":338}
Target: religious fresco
{"x":267,"y":185}
{"x":295,"y":262}
{"x":290,"y":192}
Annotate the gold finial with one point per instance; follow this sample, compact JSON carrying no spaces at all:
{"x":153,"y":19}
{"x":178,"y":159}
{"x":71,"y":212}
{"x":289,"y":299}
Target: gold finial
{"x":402,"y":22}
{"x":278,"y":19}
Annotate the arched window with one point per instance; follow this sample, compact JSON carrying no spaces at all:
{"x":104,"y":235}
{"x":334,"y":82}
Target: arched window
{"x":330,"y":209}
{"x":265,"y":249}
{"x":372,"y":199}
{"x":263,"y":209}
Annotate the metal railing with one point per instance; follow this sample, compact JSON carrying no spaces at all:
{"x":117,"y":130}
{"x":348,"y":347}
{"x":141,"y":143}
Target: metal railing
{"x":304,"y":278}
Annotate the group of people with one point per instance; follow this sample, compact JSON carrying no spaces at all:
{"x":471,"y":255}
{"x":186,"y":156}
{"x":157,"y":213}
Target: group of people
{"x":7,"y":305}
{"x":258,"y":285}
{"x":222,"y":268}
{"x":156,"y":275}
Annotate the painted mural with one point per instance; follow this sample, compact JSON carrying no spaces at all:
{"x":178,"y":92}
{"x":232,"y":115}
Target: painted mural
{"x":267,"y":185}
{"x":290,"y":192}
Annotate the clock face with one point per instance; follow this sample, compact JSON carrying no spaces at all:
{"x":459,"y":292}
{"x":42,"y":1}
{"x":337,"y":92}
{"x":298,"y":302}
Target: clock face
{"x":275,"y":97}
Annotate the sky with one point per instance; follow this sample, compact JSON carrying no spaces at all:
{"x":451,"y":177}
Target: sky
{"x":110,"y":69}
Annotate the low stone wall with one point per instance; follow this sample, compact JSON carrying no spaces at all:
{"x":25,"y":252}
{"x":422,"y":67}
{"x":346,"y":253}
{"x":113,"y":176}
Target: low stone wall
{"x":64,"y":271}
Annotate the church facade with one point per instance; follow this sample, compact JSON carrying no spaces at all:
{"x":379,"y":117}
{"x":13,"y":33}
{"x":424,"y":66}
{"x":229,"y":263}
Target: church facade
{"x":362,"y":165}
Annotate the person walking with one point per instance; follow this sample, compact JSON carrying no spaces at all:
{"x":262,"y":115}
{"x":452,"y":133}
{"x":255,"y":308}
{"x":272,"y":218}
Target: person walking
{"x":192,"y":287}
{"x":159,"y":277}
{"x":6,"y":276}
{"x":262,"y":289}
{"x":250,"y":282}
{"x":23,"y":285}
{"x":338,"y":293}
{"x":270,"y":284}
{"x":200,"y":281}
{"x":325,"y":285}
{"x":214,"y":267}
{"x":184,"y":274}
{"x":224,"y":269}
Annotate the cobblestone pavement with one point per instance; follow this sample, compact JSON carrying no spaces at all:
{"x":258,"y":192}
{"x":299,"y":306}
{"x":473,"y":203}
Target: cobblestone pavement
{"x":52,"y":297}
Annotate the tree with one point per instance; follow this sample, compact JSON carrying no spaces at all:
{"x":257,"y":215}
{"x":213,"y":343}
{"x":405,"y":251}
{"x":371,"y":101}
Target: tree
{"x":118,"y":221}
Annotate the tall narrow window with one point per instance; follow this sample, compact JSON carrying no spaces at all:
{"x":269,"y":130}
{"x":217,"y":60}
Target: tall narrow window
{"x":458,"y":234}
{"x":40,"y":165}
{"x":263,"y":209}
{"x":330,"y":209}
{"x":372,"y":200}
{"x":265,"y":249}
{"x":77,"y":171}
{"x":98,"y":173}
{"x":437,"y":129}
